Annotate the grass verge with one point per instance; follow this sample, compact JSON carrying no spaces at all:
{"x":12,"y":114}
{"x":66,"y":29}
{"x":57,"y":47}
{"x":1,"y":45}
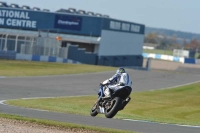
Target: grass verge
{"x":28,"y":68}
{"x":178,"y":106}
{"x":63,"y":125}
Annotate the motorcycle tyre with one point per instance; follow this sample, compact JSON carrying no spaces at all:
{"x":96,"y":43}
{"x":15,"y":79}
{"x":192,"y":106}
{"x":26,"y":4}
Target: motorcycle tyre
{"x":93,"y":112}
{"x":115,"y":108}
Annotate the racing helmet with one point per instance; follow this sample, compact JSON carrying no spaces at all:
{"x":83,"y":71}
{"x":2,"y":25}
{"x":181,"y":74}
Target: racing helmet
{"x":120,"y":71}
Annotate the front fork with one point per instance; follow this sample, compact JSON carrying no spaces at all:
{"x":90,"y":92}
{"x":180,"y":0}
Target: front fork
{"x":99,"y":107}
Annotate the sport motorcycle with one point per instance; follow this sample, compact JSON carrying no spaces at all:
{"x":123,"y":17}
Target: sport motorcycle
{"x":112,"y":101}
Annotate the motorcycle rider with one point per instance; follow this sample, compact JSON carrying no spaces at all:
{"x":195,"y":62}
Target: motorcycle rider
{"x":118,"y":81}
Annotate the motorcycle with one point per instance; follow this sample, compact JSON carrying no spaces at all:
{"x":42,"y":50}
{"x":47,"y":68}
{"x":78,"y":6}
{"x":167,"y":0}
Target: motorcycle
{"x":112,"y":102}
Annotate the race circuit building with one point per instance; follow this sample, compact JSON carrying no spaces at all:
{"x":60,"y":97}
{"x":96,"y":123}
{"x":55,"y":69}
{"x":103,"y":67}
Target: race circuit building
{"x":77,"y":35}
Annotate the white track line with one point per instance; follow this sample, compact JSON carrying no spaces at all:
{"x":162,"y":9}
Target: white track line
{"x":47,"y":76}
{"x":2,"y":102}
{"x":55,"y":97}
{"x":176,"y":86}
{"x":162,"y":123}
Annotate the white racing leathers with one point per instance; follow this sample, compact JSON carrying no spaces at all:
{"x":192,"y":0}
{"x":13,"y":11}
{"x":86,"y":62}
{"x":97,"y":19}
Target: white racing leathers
{"x":120,"y":81}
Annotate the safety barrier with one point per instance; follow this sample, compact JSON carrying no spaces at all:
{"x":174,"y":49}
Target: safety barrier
{"x":190,"y":61}
{"x":44,"y":58}
{"x":10,"y":55}
{"x":172,"y":58}
{"x":14,"y":56}
{"x":163,"y":57}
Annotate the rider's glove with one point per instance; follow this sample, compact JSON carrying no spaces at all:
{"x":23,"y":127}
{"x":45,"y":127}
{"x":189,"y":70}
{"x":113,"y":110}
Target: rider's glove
{"x":101,"y":84}
{"x":106,"y":82}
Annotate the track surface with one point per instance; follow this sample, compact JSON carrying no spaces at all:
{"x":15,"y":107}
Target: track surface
{"x":87,"y":84}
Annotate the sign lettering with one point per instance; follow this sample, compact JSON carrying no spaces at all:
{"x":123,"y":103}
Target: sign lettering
{"x":68,"y":22}
{"x":16,"y":19}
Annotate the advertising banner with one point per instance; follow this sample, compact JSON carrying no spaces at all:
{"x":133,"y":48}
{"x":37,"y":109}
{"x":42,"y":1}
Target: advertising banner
{"x":67,"y":22}
{"x":16,"y":18}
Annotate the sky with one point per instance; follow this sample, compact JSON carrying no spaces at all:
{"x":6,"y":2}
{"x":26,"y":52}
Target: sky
{"x":180,"y":15}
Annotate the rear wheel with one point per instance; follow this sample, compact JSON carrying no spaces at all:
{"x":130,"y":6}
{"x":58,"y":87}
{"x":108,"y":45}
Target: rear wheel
{"x":113,"y":108}
{"x":93,"y":111}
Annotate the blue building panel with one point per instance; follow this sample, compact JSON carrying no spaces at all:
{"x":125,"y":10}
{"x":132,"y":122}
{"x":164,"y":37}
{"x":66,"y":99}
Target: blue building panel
{"x":79,"y":25}
{"x":23,"y":19}
{"x":64,"y":22}
{"x":51,"y":21}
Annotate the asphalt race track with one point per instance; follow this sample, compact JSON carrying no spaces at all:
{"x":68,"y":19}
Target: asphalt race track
{"x":87,"y":84}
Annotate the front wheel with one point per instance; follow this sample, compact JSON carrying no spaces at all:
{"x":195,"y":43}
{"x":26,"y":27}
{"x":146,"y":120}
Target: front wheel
{"x":93,"y":111}
{"x":113,"y":108}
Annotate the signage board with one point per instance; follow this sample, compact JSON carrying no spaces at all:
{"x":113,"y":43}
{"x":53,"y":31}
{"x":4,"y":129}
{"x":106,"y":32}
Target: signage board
{"x":67,"y":22}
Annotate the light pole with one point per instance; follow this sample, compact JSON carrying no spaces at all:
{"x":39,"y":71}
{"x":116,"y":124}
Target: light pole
{"x":2,"y":41}
{"x":6,"y":40}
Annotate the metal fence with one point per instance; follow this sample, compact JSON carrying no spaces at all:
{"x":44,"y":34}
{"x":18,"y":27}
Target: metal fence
{"x":34,"y":45}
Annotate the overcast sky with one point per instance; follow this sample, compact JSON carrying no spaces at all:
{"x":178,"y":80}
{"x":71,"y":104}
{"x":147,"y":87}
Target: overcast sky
{"x":181,"y":15}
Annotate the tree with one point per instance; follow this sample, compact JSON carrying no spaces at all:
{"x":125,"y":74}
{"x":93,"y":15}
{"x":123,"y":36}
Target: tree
{"x":185,"y":43}
{"x":193,"y":45}
{"x":163,"y":42}
{"x":151,"y":38}
{"x":173,"y":39}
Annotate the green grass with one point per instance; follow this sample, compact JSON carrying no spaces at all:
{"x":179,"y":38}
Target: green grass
{"x":179,"y":105}
{"x":63,"y":125}
{"x":197,"y":55}
{"x":27,"y":68}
